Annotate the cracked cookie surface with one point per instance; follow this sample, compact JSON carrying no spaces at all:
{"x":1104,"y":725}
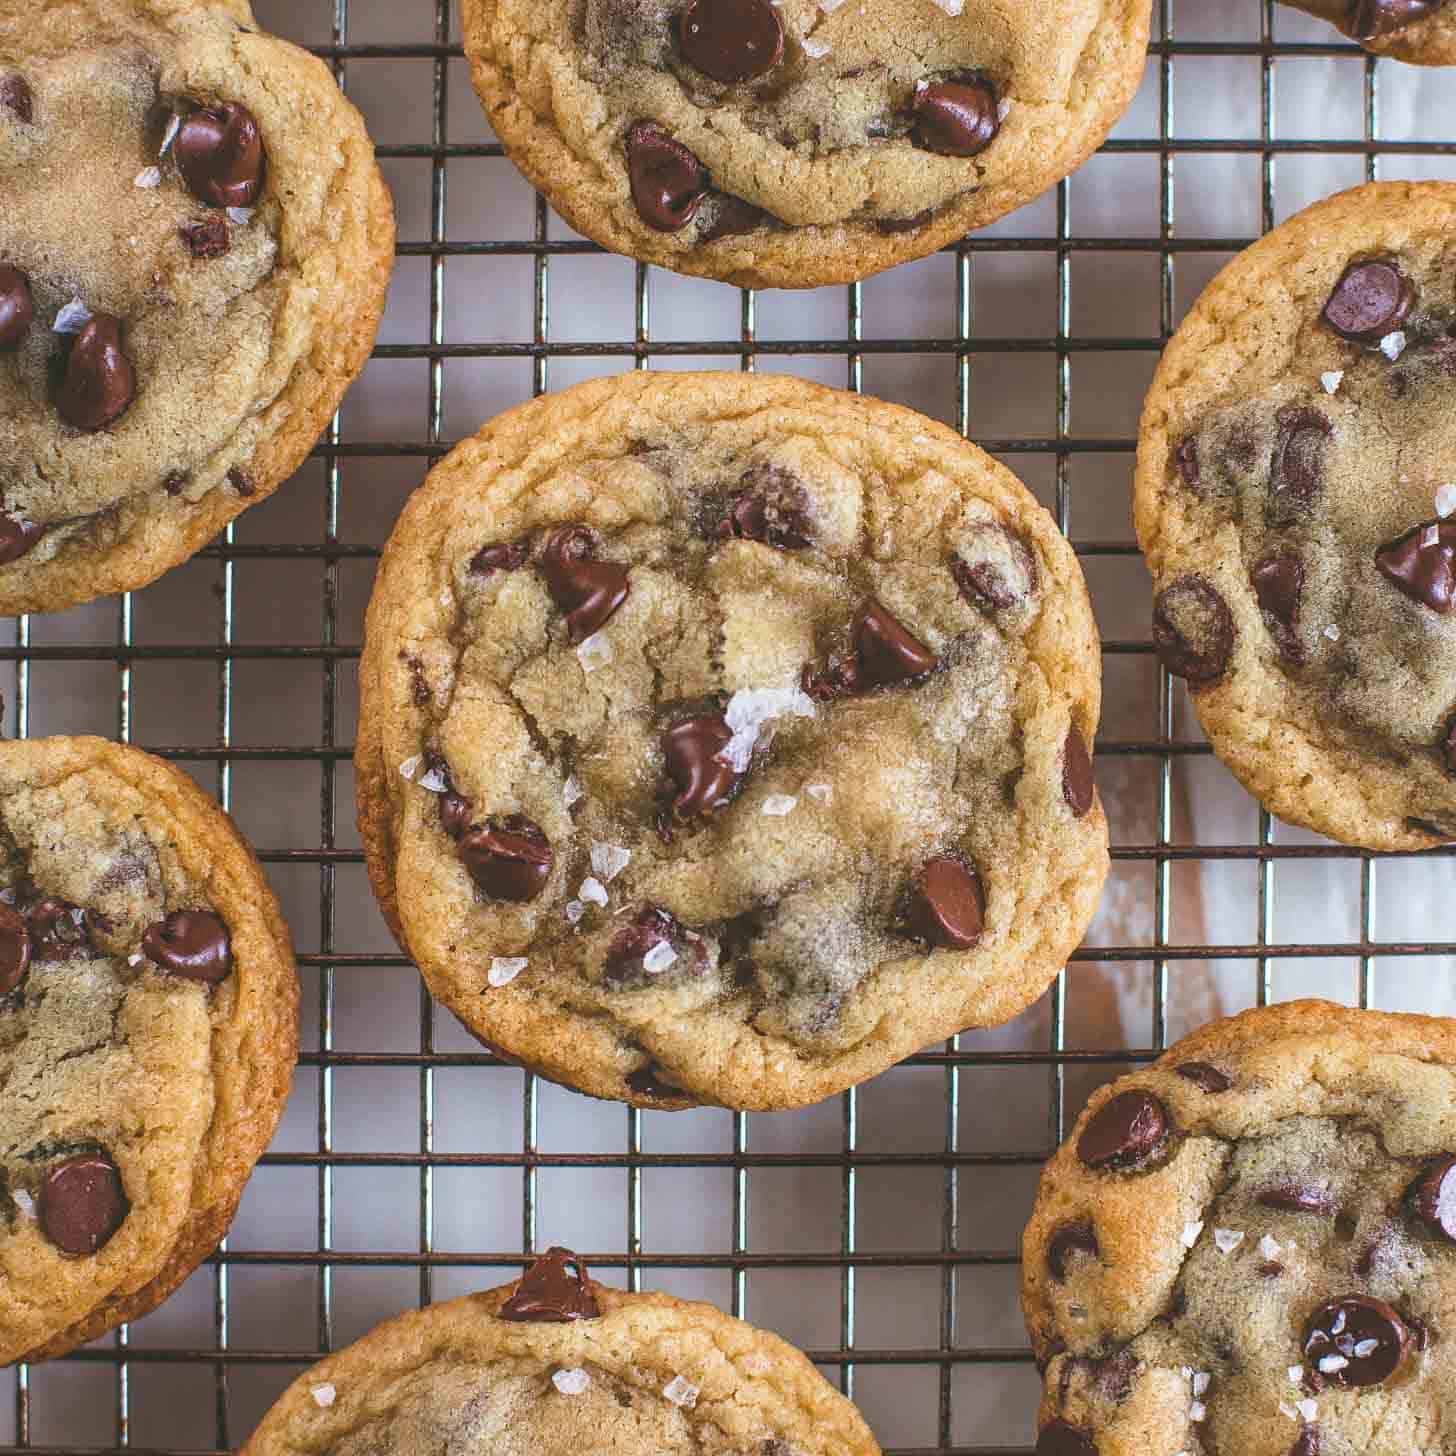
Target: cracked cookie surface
{"x":1296,"y":486}
{"x":1250,"y":1246}
{"x":796,"y":144}
{"x":556,"y":1364}
{"x":194,"y":248}
{"x":148,"y":1030}
{"x":1420,"y":31}
{"x":724,"y":738}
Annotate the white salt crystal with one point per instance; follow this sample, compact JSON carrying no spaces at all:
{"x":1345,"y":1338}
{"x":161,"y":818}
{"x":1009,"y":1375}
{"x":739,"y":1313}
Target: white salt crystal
{"x":777,"y":805}
{"x":1228,"y":1240}
{"x":1446,"y":500}
{"x":135,"y":959}
{"x":1393,"y":345}
{"x":571,"y":1382}
{"x":1309,"y":1409}
{"x":593,"y":891}
{"x":1366,"y":1348}
{"x":1331,"y":379}
{"x":72,"y":318}
{"x":1197,"y":1411}
{"x":240,"y":215}
{"x":324,"y":1396}
{"x":815,"y":49}
{"x":1285,"y":1409}
{"x":1003,"y":108}
{"x":1431,"y":536}
{"x":609,"y":860}
{"x":411,"y":766}
{"x":1296,"y":1374}
{"x":23,"y":1201}
{"x":149,"y":177}
{"x":1201,"y":1382}
{"x":1191,"y":1232}
{"x":173,"y":127}
{"x":681,"y":1392}
{"x":951,"y":7}
{"x":574,"y":911}
{"x":1270,"y":1247}
{"x":595,"y":652}
{"x":747,"y":712}
{"x":1332,"y":1364}
{"x":505,"y":969}
{"x":822,"y":793}
{"x":572,"y":791}
{"x":659,"y":958}
{"x":434,"y":781}
{"x":1332,"y":632}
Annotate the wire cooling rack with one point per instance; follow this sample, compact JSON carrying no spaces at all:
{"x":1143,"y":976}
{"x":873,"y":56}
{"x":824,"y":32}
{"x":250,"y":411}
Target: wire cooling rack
{"x":881,"y":1230}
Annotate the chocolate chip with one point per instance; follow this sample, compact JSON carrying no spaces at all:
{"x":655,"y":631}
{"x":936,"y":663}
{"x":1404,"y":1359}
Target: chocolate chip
{"x":885,"y":651}
{"x":1269,"y":1269}
{"x":1448,"y":748}
{"x":510,"y":859}
{"x":209,"y":238}
{"x":192,"y":944}
{"x":772,"y":508}
{"x":1299,"y":464}
{"x":500,"y":556}
{"x":650,"y":927}
{"x":241,"y":482}
{"x":1371,"y":300}
{"x":1373,"y":18}
{"x":1185,"y":458}
{"x":1278,"y":582}
{"x":948,"y":906}
{"x":587,"y":590}
{"x":1435,"y":1197}
{"x":455,"y":813}
{"x":56,"y":926}
{"x":556,"y":1289}
{"x":1307,"y":1443}
{"x":957,"y":118}
{"x":17,"y":537}
{"x":668,"y":182}
{"x":1205,"y":1076}
{"x":1125,"y":1132}
{"x":1075,"y":1239}
{"x":99,"y":383}
{"x":731,"y":40}
{"x":1367,"y":1334}
{"x":1060,"y":1439}
{"x":691,"y":748}
{"x":1297,"y":1198}
{"x":732,"y":217}
{"x":1193,"y":630}
{"x":176,"y":482}
{"x":1078,"y":785}
{"x":644,"y":1081}
{"x":14,"y":949}
{"x":220,"y":155}
{"x":1002,"y":574}
{"x":1422,"y":564}
{"x":82,"y":1203}
{"x":16,"y":96}
{"x":894,"y":226}
{"x":17,"y":308}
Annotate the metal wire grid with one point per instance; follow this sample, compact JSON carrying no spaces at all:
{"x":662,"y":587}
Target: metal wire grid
{"x":953,"y":1163}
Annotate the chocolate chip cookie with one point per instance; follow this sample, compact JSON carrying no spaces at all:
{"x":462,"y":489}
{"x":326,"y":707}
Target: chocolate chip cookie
{"x":726,"y":738}
{"x":1420,"y":31}
{"x":148,"y":1030}
{"x":792,"y":143}
{"x":1296,"y":486}
{"x":557,"y":1364}
{"x":194,"y":249}
{"x":1250,"y":1246}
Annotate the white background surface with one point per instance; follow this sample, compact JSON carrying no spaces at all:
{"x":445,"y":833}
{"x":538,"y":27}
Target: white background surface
{"x":783,"y":1208}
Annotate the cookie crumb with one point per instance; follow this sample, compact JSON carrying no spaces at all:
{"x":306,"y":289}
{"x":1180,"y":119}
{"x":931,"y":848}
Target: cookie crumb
{"x":505,"y":969}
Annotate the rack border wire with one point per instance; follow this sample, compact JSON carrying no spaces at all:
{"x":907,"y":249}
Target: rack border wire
{"x":954,"y":1059}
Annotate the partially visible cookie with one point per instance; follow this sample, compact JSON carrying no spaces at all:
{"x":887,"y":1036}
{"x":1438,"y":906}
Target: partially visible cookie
{"x":789,"y":143}
{"x":1250,"y":1246}
{"x":1420,"y":31}
{"x":725,"y":738}
{"x":555,"y":1365}
{"x":194,"y":248}
{"x":1296,"y":485}
{"x":148,"y":1031}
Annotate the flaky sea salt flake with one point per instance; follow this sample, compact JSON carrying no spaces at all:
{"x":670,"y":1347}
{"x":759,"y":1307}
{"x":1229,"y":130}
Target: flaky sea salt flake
{"x":659,"y":958}
{"x":23,"y":1201}
{"x":1393,"y":345}
{"x":136,"y":959}
{"x":1431,"y":536}
{"x":1227,"y":1240}
{"x":778,"y":805}
{"x":595,"y":652}
{"x":1309,"y":1409}
{"x":571,"y":1382}
{"x":609,"y":860}
{"x":1197,"y":1411}
{"x":148,"y":178}
{"x":410,"y":767}
{"x":1332,"y":1364}
{"x":681,"y":1392}
{"x":242,"y":216}
{"x":1270,"y":1247}
{"x":747,"y":712}
{"x":505,"y":969}
{"x":574,"y":911}
{"x":1201,"y":1381}
{"x":1296,"y":1374}
{"x":1364,"y":1349}
{"x":1003,"y":108}
{"x":572,"y":791}
{"x":951,"y":7}
{"x":72,"y":318}
{"x":820,"y":793}
{"x":434,"y":781}
{"x":1446,"y":500}
{"x":1191,"y":1231}
{"x":174,"y":125}
{"x":816,"y":50}
{"x":593,"y":891}
{"x":1331,"y":379}
{"x":324,"y":1396}
{"x":1334,"y":634}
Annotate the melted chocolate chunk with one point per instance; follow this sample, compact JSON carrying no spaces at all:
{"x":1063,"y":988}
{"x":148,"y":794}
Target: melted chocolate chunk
{"x":17,"y":97}
{"x":1061,"y":1439}
{"x":1193,"y":630}
{"x":1205,"y":1076}
{"x":1422,"y":564}
{"x":1435,"y":1198}
{"x":772,"y":507}
{"x":192,"y":944}
{"x":1307,"y":1443}
{"x":1299,"y":464}
{"x":1002,"y":578}
{"x":1074,"y":1240}
{"x":1126,"y":1132}
{"x":1448,"y":748}
{"x":645,"y":1082}
{"x":509,"y":859}
{"x":731,"y":40}
{"x":500,"y":556}
{"x":56,"y":927}
{"x":732,"y":217}
{"x":948,"y":904}
{"x":1185,"y":459}
{"x":587,"y":590}
{"x":1371,"y":19}
{"x":668,"y":181}
{"x":1355,"y":1341}
{"x":241,"y":481}
{"x":14,"y":949}
{"x":455,"y":813}
{"x":556,"y":1290}
{"x":17,"y":537}
{"x":884,"y":653}
{"x":894,"y":226}
{"x":17,"y":308}
{"x":1297,"y":1198}
{"x":691,"y":748}
{"x":219,"y":152}
{"x":1078,"y":785}
{"x":1371,"y":300}
{"x":956,"y":118}
{"x":99,"y":383}
{"x":649,"y":928}
{"x":1278,"y":582}
{"x":82,"y":1204}
{"x":208,"y":238}
{"x":175,"y":483}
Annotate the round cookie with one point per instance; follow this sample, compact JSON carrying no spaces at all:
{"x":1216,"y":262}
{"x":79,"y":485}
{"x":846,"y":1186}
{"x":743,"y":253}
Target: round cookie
{"x":723,"y":738}
{"x":1420,"y":31}
{"x":557,"y":1364}
{"x":1250,"y":1246}
{"x":1297,"y":453}
{"x":148,"y":1031}
{"x":194,"y":251}
{"x":793,"y":144}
